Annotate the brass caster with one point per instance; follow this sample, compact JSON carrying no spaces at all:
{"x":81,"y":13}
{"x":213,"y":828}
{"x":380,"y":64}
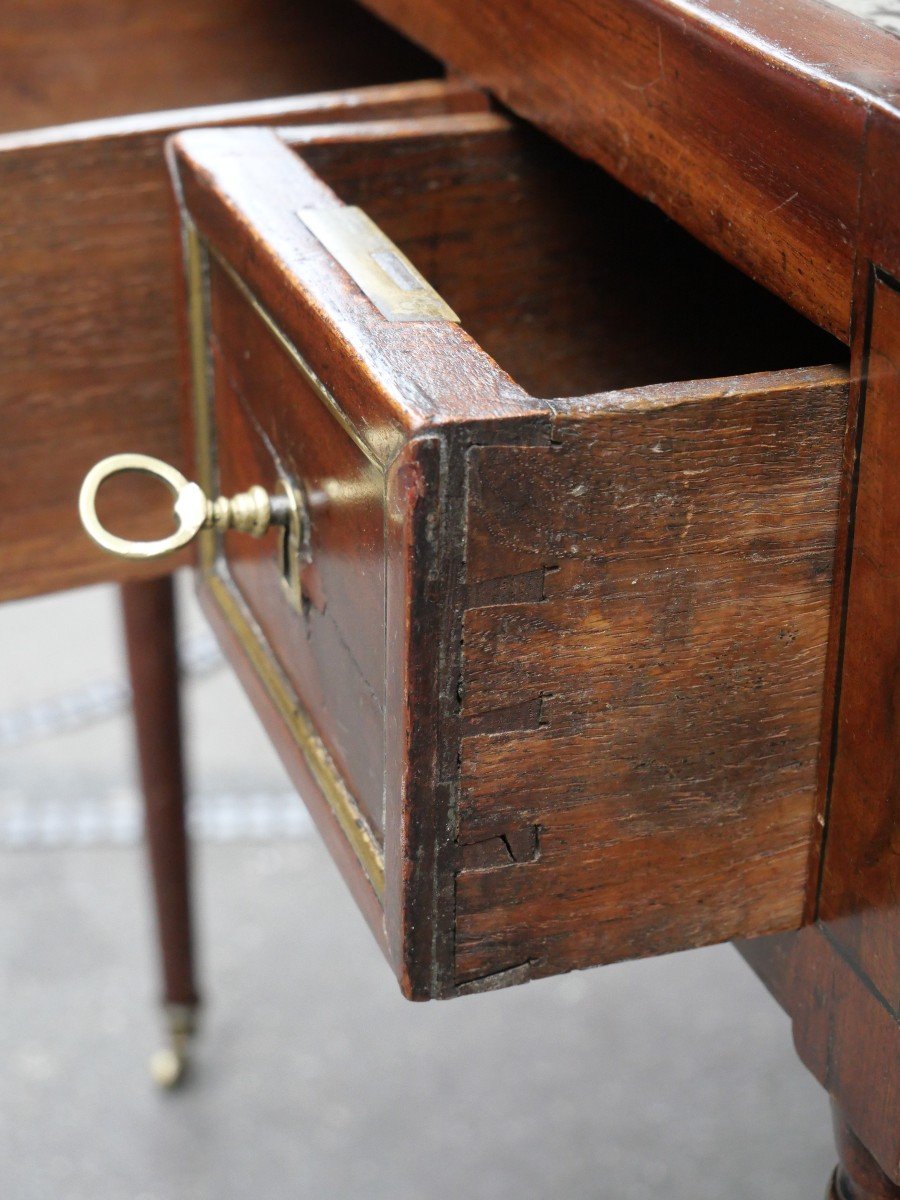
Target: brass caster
{"x":169,"y":1065}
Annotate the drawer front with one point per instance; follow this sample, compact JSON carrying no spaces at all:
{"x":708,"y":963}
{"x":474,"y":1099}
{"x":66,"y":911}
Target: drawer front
{"x":552,"y":682}
{"x":332,"y":644}
{"x":311,"y":633}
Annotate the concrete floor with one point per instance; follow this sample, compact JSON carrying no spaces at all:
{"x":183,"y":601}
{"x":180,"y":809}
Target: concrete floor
{"x":670,"y":1078}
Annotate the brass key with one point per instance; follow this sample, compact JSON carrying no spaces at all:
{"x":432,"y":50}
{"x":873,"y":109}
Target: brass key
{"x":253,"y":511}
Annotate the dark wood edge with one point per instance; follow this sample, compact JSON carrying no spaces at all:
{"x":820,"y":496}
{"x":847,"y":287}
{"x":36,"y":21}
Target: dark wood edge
{"x":814,"y":40}
{"x":416,"y":807}
{"x":835,"y":977}
{"x":267,"y":250}
{"x":653,"y":396}
{"x":878,"y":262}
{"x":393,"y":129}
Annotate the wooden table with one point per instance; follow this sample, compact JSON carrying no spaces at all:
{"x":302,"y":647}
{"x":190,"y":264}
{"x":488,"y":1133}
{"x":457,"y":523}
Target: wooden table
{"x":563,"y":680}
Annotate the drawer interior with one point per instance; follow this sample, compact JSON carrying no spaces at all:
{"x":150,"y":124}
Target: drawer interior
{"x":569,"y":281}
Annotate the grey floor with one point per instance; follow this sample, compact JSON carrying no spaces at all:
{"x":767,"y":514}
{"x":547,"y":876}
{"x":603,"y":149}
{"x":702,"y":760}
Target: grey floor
{"x":671,"y":1078}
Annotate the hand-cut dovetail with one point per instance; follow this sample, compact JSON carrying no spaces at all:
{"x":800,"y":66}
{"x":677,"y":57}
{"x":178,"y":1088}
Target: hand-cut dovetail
{"x":507,"y":589}
{"x":503,"y":850}
{"x":513,"y":717}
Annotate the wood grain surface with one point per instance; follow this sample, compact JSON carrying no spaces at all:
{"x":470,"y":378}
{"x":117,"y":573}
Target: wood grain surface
{"x":611,"y":292}
{"x":860,"y":887}
{"x":744,"y":121}
{"x":384,"y":385}
{"x":571,"y":656}
{"x":642,"y":673}
{"x":840,"y":979}
{"x":860,"y":892}
{"x":108,"y":58}
{"x":843,"y":1033}
{"x":423,"y":371}
{"x":858,"y":1176}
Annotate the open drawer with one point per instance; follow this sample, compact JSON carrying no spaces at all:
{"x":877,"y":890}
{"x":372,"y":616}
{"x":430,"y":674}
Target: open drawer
{"x":545,"y":649}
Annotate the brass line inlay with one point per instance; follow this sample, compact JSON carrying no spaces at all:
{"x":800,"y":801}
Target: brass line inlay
{"x":201,"y":378}
{"x":214,"y":569}
{"x":320,"y":763}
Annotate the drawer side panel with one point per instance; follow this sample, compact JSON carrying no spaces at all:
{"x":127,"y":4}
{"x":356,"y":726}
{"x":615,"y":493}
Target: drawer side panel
{"x":642,"y":670}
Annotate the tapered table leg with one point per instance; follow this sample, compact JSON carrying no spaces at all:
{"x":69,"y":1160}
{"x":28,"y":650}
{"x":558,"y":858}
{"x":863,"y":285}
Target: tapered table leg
{"x":858,"y":1176}
{"x":149,"y":619}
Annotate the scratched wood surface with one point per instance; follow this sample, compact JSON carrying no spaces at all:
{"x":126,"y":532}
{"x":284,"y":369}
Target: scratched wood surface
{"x":385,"y":384}
{"x":642,"y":673}
{"x":743,"y":120}
{"x":765,"y":132}
{"x":89,"y":359}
